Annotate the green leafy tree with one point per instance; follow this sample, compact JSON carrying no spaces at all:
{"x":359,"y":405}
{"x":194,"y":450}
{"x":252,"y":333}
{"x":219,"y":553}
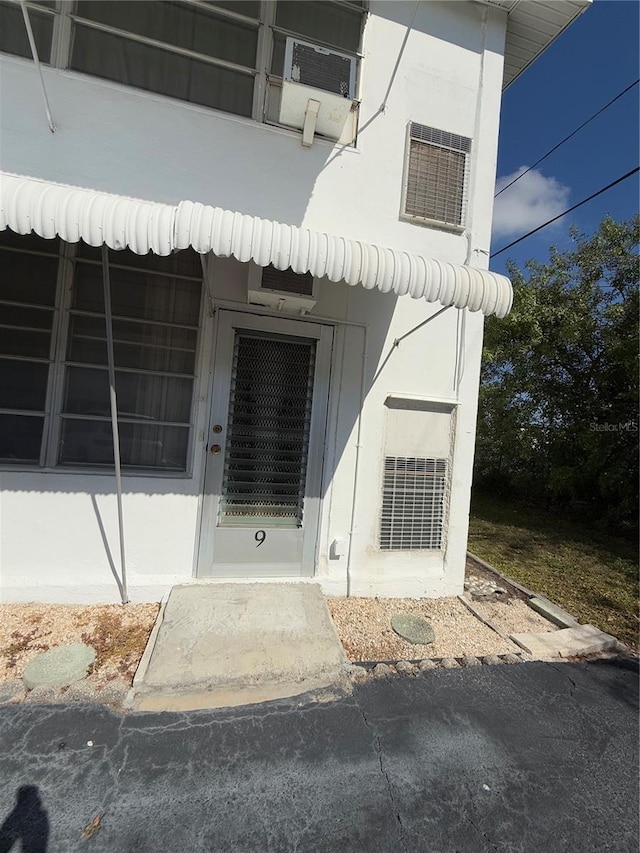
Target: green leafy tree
{"x":558,"y":420}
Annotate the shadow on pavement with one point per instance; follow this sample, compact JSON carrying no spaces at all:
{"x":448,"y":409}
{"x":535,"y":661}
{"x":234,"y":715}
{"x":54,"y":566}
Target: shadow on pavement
{"x":27,"y":823}
{"x":623,"y":689}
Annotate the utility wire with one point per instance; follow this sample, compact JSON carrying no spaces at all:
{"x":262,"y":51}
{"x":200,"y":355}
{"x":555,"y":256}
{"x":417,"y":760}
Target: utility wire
{"x":573,"y":133}
{"x":564,"y":213}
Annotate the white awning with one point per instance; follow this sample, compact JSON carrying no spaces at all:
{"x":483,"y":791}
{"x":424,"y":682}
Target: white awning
{"x":74,"y":214}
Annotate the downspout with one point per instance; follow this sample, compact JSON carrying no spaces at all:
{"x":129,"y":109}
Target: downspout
{"x":462,"y":313}
{"x":352,"y":523}
{"x":36,"y":62}
{"x":106,"y":282}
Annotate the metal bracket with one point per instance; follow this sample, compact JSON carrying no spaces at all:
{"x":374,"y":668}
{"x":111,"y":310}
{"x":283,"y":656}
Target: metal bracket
{"x":310,"y":119}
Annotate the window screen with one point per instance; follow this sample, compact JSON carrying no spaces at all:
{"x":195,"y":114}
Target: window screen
{"x":436,"y":172}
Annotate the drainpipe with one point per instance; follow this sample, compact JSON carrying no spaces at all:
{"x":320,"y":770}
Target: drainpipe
{"x":36,"y":62}
{"x":106,"y":282}
{"x":352,"y":524}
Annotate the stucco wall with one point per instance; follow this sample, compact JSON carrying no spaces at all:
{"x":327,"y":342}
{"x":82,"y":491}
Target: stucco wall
{"x":53,"y":527}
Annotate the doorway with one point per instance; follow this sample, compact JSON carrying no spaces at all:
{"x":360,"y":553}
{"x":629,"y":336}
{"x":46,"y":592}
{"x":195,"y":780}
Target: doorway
{"x":263,"y":477}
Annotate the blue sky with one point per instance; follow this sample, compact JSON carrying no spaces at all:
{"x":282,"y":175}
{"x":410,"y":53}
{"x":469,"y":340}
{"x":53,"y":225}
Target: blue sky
{"x":594,"y":60}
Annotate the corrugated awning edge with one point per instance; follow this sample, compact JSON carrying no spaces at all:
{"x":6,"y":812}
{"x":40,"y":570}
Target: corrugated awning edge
{"x":73,"y":214}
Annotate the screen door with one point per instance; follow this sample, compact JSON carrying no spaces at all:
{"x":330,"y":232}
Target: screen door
{"x":264,"y":454}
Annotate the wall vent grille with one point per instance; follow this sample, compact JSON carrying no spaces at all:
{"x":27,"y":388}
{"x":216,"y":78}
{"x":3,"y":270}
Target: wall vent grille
{"x":413,"y":501}
{"x":436,"y":175}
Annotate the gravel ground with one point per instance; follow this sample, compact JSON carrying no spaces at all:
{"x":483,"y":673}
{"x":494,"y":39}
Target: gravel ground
{"x":363,"y":625}
{"x":119,"y":635}
{"x":513,"y":616}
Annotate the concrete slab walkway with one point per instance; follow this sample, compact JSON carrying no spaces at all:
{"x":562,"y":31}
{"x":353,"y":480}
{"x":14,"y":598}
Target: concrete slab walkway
{"x":232,"y":644}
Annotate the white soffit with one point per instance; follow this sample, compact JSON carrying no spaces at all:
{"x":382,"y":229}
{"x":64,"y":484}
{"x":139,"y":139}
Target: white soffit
{"x":73,"y":214}
{"x":532,"y":25}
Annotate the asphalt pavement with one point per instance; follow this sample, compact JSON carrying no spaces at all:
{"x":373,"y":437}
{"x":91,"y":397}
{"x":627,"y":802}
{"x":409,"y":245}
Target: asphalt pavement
{"x":524,"y":757}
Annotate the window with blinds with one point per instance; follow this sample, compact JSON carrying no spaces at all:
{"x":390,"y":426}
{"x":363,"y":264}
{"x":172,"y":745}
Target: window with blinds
{"x":265,"y":466}
{"x":413,"y":502}
{"x":436,"y":175}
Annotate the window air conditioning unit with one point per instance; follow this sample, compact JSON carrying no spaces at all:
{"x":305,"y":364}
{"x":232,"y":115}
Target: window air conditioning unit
{"x":318,"y":91}
{"x":283,"y":290}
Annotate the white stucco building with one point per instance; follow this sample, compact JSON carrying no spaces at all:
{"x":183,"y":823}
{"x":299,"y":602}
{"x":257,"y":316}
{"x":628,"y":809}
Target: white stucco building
{"x":296,"y":317}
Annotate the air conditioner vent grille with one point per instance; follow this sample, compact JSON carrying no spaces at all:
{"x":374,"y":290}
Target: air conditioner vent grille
{"x":322,"y":69}
{"x":287,"y":281}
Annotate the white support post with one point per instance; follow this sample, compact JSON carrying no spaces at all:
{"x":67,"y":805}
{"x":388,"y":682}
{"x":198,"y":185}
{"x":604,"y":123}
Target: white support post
{"x":106,"y":282}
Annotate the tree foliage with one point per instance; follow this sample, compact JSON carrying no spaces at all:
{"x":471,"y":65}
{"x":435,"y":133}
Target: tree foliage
{"x":558,"y":420}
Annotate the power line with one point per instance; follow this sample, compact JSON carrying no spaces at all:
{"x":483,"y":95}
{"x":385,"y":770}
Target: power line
{"x":573,"y":133}
{"x":564,"y":213}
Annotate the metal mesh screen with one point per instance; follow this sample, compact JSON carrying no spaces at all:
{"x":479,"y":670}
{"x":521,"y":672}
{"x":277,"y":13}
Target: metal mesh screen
{"x":287,"y":281}
{"x":413,"y":496}
{"x":321,"y":68}
{"x":265,"y":466}
{"x":436,"y":175}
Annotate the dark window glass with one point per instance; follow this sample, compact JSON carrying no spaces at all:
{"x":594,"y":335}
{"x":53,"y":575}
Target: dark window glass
{"x":13,"y":33}
{"x":138,"y":295}
{"x":20,"y":438}
{"x":186,"y":262}
{"x":25,"y":331}
{"x":28,"y":278}
{"x":248,"y":8}
{"x":151,"y":68}
{"x":23,"y":384}
{"x":29,"y":242}
{"x":136,"y":345}
{"x":326,"y":22}
{"x":178,"y":25}
{"x":140,"y":395}
{"x":141,"y":445}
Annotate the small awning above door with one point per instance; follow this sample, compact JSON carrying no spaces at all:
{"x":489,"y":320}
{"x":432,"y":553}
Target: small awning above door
{"x":73,"y":214}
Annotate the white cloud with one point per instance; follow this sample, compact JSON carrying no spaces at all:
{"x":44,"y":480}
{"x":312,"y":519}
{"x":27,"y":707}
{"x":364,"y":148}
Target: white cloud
{"x":528,"y":203}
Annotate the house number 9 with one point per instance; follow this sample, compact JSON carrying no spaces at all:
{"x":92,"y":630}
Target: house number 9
{"x":260,"y":537}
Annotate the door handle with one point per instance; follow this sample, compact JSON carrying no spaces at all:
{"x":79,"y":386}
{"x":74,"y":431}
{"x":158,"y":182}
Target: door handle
{"x":215,"y":449}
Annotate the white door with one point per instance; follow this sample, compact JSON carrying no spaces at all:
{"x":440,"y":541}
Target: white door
{"x":263,"y":478}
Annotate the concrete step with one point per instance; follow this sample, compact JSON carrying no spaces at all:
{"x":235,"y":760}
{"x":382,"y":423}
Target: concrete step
{"x":224,"y":644}
{"x":567,"y":642}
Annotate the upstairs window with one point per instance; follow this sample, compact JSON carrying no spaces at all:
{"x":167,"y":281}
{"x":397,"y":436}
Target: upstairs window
{"x":13,"y":33}
{"x":436,"y":176}
{"x":225,"y":55}
{"x":186,"y":51}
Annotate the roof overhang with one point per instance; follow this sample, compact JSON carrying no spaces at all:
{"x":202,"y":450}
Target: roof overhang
{"x":74,"y":214}
{"x":532,"y":25}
